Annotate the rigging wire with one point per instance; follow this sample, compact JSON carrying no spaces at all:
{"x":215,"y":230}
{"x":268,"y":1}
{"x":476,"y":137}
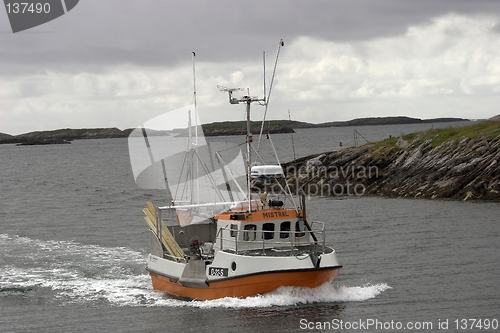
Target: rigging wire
{"x":232,"y":147}
{"x":281,"y":43}
{"x":293,"y":144}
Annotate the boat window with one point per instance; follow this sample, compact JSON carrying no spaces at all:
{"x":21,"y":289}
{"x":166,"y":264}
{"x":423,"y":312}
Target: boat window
{"x":268,"y":230}
{"x":234,"y":230}
{"x":300,"y":228}
{"x":285,"y":229}
{"x":250,"y":232}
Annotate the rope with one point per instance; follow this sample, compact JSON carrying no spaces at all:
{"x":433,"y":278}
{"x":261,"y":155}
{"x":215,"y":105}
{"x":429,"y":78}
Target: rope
{"x":281,"y":43}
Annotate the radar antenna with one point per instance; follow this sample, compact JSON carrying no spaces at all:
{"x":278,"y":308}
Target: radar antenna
{"x":230,"y":91}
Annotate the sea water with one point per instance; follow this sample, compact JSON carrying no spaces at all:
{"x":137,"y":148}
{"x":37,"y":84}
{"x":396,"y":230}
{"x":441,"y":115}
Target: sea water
{"x":73,"y":250}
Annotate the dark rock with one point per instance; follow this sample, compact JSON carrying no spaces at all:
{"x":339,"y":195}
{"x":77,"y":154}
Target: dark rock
{"x":458,"y":169}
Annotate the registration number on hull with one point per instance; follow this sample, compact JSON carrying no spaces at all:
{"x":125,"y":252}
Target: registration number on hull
{"x":218,"y":271}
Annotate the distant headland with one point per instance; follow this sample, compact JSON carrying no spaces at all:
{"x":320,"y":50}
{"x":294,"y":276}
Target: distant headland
{"x":64,"y":136}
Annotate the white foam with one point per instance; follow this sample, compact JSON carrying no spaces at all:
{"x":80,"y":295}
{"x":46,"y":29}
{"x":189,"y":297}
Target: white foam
{"x":288,"y":296}
{"x":81,"y":273}
{"x":77,"y":272}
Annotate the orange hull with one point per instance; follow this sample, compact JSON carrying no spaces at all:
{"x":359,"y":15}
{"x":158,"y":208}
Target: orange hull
{"x":247,"y":285}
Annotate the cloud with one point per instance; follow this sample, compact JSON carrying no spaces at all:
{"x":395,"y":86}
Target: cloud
{"x":120,"y":63}
{"x":453,"y":56}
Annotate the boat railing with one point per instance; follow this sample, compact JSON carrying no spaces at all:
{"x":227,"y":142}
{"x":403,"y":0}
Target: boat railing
{"x":287,"y":242}
{"x":174,"y":258}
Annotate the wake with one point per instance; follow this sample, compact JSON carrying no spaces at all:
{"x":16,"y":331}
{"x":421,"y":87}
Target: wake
{"x":289,"y":296}
{"x":81,"y":273}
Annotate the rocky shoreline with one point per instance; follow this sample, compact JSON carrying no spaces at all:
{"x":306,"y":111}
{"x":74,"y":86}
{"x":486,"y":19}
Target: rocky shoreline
{"x":227,"y":132}
{"x":63,"y":136}
{"x":457,"y":164}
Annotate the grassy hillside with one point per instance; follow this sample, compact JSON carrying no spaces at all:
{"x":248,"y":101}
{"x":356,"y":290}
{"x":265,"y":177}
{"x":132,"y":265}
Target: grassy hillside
{"x":213,"y":129}
{"x":447,"y":163}
{"x":438,"y":136}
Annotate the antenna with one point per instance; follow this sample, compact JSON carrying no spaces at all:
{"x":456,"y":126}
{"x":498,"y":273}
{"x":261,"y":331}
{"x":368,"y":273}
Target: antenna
{"x":264,"y":60}
{"x":194,"y":97}
{"x":194,"y":81}
{"x":232,"y":100}
{"x":293,"y":144}
{"x":247,"y":100}
{"x":195,"y":134}
{"x":281,"y":43}
{"x":222,"y":88}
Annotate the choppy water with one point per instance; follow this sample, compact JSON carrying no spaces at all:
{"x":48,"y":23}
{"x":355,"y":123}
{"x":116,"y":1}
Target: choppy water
{"x":73,"y":248}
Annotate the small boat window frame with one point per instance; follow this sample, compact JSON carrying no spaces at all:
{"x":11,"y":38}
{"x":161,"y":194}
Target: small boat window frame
{"x":285,"y":229}
{"x":300,"y":229}
{"x":234,"y":230}
{"x":250,"y":232}
{"x":268,"y":230}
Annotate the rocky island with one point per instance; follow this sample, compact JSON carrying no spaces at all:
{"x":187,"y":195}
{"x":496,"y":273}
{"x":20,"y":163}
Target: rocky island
{"x":240,"y":127}
{"x":66,"y":135}
{"x":449,"y":163}
{"x":63,"y":136}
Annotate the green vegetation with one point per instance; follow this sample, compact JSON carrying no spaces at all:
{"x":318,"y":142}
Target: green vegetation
{"x":375,"y":121}
{"x":214,"y":129}
{"x":78,"y":132}
{"x":255,"y":125}
{"x":64,"y":135}
{"x":242,"y":125}
{"x":487,"y":129}
{"x":390,"y":142}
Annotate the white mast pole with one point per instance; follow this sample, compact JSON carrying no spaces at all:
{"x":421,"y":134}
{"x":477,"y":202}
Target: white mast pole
{"x":266,"y":102}
{"x":196,"y":131}
{"x":194,"y":97}
{"x":190,"y":152}
{"x":249,"y":159}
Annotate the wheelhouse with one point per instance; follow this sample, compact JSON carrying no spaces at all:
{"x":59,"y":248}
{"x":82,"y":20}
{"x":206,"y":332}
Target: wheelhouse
{"x":275,"y":228}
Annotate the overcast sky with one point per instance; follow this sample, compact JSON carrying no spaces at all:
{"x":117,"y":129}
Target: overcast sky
{"x":119,"y":63}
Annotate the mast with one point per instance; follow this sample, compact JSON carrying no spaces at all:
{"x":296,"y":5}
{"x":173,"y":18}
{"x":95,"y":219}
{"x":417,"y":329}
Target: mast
{"x":194,"y":101}
{"x":190,"y":152}
{"x":266,"y":102}
{"x":247,"y":100}
{"x":195,"y":132}
{"x":293,"y":145}
{"x":249,"y":158}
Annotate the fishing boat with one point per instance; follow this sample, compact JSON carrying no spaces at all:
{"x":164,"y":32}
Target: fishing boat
{"x":236,"y":246}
